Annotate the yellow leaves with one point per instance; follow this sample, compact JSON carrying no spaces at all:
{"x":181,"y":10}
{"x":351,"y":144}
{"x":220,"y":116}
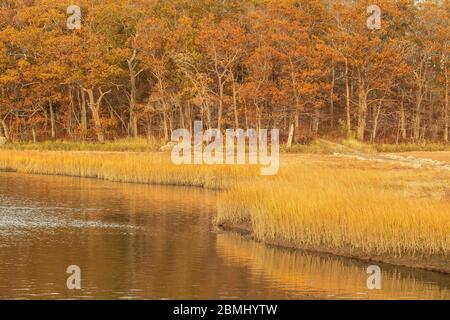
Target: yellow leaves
{"x":23,"y":64}
{"x":9,"y":76}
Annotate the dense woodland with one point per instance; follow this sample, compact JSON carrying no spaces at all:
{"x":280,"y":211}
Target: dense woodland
{"x":144,"y":68}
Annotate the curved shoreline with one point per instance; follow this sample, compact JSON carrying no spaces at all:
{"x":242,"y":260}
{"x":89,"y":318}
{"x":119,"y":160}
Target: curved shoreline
{"x":407,"y":262}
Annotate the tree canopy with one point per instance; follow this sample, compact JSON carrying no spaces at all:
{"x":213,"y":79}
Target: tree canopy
{"x":144,"y":68}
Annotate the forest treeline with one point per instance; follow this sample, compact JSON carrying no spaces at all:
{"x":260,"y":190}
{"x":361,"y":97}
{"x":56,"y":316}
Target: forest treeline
{"x":144,"y":68}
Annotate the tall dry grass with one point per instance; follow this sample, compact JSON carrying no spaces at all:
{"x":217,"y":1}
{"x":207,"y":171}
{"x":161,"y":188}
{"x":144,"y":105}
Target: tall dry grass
{"x":376,"y":211}
{"x":147,"y":168}
{"x":330,"y":214}
{"x":118,"y":145}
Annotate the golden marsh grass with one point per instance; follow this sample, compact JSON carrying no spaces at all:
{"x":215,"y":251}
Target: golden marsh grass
{"x":118,"y":145}
{"x":146,"y":168}
{"x":354,"y":208}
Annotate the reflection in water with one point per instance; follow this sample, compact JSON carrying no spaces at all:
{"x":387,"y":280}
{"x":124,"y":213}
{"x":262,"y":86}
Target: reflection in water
{"x":326,"y":276}
{"x":138,"y":241}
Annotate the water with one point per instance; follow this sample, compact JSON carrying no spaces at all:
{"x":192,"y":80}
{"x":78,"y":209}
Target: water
{"x":152,"y":242}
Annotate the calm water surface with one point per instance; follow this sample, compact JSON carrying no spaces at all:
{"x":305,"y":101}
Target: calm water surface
{"x":137,"y":241}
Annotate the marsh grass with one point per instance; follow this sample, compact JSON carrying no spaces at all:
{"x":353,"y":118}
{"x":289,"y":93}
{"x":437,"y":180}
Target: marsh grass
{"x":410,"y":147}
{"x":315,"y":201}
{"x":315,"y":147}
{"x":345,"y":207}
{"x":119,"y":145}
{"x":154,"y":144}
{"x":338,"y":215}
{"x":320,"y":146}
{"x":351,"y":144}
{"x":147,"y":168}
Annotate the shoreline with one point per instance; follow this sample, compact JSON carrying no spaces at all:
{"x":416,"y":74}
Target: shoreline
{"x":406,"y":262}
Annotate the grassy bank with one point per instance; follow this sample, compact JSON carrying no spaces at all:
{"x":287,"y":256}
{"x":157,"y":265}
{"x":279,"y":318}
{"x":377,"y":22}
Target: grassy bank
{"x":387,"y":212}
{"x":147,"y":168}
{"x":383,"y":215}
{"x":345,"y":145}
{"x":153,"y":144}
{"x":120,"y":145}
{"x":410,"y":147}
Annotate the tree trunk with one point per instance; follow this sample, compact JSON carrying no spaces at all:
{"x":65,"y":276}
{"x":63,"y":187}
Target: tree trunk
{"x":376,"y":116}
{"x":5,"y":130}
{"x":290,"y":136}
{"x":347,"y":99}
{"x":83,"y":112}
{"x":2,"y":134}
{"x":219,"y":115}
{"x":402,"y":121}
{"x":245,"y":116}
{"x":316,"y":121}
{"x":446,"y":111}
{"x":72,"y":112}
{"x":189,"y":116}
{"x":333,"y":80}
{"x":181,"y":112}
{"x":432,"y":128}
{"x":170,"y":117}
{"x":3,"y":139}
{"x":208,"y":115}
{"x":94,"y":105}
{"x":52,"y":120}
{"x":362,"y":111}
{"x":133,"y":74}
{"x":420,"y":92}
{"x":165,"y":125}
{"x":97,"y":124}
{"x":149,"y":127}
{"x":294,"y":84}
{"x":235,"y":107}
{"x":33,"y":132}
{"x":134,"y":124}
{"x":417,"y":117}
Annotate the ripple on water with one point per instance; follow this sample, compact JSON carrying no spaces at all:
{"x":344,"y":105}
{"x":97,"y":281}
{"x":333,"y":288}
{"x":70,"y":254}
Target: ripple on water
{"x":18,"y":218}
